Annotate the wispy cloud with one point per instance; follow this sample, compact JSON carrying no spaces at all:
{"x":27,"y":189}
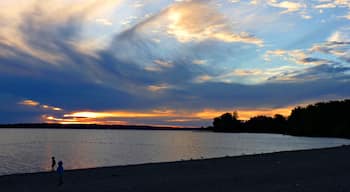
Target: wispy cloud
{"x":296,"y":56}
{"x":52,"y":17}
{"x":29,"y":102}
{"x":32,"y":103}
{"x":325,"y":6}
{"x":331,"y":4}
{"x":160,"y":87}
{"x":337,"y":45}
{"x":199,"y":62}
{"x":104,"y":21}
{"x":195,"y":21}
{"x":324,"y":71}
{"x":159,"y":65}
{"x":289,"y":6}
{"x":247,"y":76}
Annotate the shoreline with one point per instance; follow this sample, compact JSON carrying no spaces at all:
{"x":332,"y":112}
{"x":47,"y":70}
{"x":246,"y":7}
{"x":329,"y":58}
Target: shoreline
{"x":187,"y":160}
{"x":182,"y":161}
{"x":93,"y":126}
{"x":301,"y":170}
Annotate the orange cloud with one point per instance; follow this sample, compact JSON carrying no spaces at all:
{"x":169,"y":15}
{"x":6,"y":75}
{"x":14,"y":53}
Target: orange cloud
{"x":166,"y":116}
{"x":52,"y":119}
{"x":32,"y":103}
{"x":51,"y":108}
{"x":29,"y":103}
{"x":116,"y":114}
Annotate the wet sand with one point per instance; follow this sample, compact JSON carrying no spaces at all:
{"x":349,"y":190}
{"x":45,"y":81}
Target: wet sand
{"x":318,"y":170}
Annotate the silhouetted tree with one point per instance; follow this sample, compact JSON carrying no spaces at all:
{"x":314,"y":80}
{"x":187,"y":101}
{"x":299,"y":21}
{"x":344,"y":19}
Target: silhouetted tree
{"x":281,"y":123}
{"x":264,"y":124}
{"x":227,"y":122}
{"x":259,"y":124}
{"x":330,"y":119}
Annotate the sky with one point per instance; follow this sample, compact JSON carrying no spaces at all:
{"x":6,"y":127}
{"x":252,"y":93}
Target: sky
{"x":169,"y":62}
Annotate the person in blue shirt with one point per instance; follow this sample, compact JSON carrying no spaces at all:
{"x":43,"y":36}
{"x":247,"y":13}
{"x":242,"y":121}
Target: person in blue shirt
{"x":60,"y":171}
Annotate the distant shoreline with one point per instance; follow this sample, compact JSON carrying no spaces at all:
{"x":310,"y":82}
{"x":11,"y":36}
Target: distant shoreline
{"x":140,"y":127}
{"x":93,"y":126}
{"x":304,"y":170}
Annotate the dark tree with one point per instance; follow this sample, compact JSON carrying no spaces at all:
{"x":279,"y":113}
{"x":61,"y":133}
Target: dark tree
{"x":281,"y":123}
{"x":264,"y":124}
{"x":227,"y":122}
{"x":330,"y":119}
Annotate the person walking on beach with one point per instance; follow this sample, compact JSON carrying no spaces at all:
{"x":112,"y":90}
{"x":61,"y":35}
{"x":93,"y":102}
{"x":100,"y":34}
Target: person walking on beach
{"x":53,"y":163}
{"x":60,"y":171}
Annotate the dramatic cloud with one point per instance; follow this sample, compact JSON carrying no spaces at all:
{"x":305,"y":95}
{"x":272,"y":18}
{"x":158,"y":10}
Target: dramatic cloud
{"x":195,"y":21}
{"x":30,"y":16}
{"x":167,"y":62}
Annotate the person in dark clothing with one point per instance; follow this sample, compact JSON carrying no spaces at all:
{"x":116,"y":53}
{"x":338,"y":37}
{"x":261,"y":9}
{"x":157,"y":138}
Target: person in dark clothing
{"x":53,"y":163}
{"x":60,"y":171}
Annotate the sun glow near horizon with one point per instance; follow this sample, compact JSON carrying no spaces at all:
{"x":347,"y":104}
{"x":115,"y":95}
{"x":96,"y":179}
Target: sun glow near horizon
{"x":168,"y":116}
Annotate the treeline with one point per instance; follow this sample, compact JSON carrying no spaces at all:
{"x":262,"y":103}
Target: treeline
{"x":326,"y":119}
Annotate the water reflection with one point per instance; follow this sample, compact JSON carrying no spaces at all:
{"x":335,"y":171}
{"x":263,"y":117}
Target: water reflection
{"x":30,"y":150}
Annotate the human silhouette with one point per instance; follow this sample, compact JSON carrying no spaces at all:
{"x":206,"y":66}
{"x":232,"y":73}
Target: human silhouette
{"x":53,"y":163}
{"x":60,"y":171}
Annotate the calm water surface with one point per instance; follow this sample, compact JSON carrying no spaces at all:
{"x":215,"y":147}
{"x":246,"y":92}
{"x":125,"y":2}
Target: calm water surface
{"x":30,"y":150}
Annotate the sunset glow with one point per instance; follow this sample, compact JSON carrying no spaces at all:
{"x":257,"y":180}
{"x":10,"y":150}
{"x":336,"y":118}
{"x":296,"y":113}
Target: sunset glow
{"x":168,"y":116}
{"x":29,"y":103}
{"x":123,"y":114}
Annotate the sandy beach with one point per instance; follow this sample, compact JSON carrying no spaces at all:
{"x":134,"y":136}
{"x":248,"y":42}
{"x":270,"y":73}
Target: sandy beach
{"x":308,"y":170}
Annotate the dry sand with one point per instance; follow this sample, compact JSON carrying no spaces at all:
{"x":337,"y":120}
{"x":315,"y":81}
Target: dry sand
{"x":310,"y":170}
